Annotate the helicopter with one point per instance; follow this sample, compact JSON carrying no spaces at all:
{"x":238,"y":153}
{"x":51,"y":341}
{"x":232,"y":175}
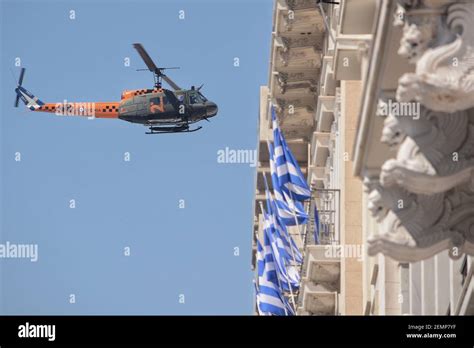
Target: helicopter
{"x":161,"y":110}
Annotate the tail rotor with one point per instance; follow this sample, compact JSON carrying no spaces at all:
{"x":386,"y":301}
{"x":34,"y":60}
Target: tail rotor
{"x":31,"y":102}
{"x":20,"y":82}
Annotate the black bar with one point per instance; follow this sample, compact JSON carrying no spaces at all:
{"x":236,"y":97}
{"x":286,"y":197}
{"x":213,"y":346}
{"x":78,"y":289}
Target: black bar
{"x":136,"y":330}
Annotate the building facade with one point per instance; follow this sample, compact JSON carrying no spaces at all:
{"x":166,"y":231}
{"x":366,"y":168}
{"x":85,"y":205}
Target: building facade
{"x":375,"y":100}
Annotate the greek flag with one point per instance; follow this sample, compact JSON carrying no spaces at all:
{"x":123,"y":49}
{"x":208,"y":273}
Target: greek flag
{"x":290,"y":177}
{"x":270,"y":299}
{"x":287,"y":274}
{"x":257,"y":296}
{"x":290,"y":212}
{"x":291,"y":250}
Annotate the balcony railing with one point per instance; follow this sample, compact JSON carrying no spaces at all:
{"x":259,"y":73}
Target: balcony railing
{"x":327,"y":202}
{"x":320,"y":273}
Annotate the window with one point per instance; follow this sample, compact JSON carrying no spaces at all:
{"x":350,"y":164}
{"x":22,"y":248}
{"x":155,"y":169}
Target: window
{"x":192,"y":99}
{"x":204,"y":99}
{"x":195,"y":98}
{"x":155,"y":101}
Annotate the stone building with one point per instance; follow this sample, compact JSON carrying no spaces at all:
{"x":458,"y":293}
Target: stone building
{"x":375,"y":98}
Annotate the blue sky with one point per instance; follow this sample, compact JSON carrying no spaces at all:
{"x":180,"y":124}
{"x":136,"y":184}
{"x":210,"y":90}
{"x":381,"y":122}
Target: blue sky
{"x":129,"y":204}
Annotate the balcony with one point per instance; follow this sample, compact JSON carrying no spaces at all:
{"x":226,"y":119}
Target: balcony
{"x":324,"y":266}
{"x":318,"y":176}
{"x":328,"y":203}
{"x":320,"y":146}
{"x":297,"y":58}
{"x":298,"y":36}
{"x":354,"y":35}
{"x":301,"y":21}
{"x":328,"y":82}
{"x":298,"y":4}
{"x":305,"y":111}
{"x":317,"y":300}
{"x":328,"y":169}
{"x":325,"y":113}
{"x":348,"y":56}
{"x":363,"y":22}
{"x":321,"y":270}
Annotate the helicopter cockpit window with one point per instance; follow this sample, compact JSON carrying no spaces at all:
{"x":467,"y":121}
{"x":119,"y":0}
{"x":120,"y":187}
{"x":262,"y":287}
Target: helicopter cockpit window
{"x":196,"y":98}
{"x":155,"y":101}
{"x":204,"y":99}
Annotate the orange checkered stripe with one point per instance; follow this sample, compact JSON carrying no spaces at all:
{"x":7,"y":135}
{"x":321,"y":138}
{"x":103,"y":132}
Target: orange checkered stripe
{"x":48,"y":107}
{"x":135,"y":92}
{"x":107,"y":110}
{"x":99,"y":110}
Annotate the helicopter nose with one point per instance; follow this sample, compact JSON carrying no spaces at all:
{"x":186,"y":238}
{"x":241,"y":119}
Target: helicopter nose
{"x":211,"y":109}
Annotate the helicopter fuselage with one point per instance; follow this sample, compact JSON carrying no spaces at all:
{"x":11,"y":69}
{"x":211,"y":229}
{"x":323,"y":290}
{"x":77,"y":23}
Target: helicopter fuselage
{"x":150,"y":107}
{"x":162,"y":107}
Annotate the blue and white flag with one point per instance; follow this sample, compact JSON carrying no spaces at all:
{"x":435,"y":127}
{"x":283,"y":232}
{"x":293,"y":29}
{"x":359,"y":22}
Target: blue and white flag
{"x":287,"y":273}
{"x":257,"y":297}
{"x":270,"y":299}
{"x":288,"y":242}
{"x":291,"y":250}
{"x":290,"y":212}
{"x":290,"y":177}
{"x":272,"y":273}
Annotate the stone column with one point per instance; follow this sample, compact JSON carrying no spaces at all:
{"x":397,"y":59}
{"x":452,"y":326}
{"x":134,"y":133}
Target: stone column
{"x":351,"y":208}
{"x":415,"y":288}
{"x":442,"y":263}
{"x":428,"y":301}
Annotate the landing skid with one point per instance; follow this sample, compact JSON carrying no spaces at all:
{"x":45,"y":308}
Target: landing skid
{"x":177,"y":129}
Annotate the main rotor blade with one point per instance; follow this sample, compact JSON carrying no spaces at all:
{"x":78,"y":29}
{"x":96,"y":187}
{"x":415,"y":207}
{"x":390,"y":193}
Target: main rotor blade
{"x":146,"y":58}
{"x":152,"y":66}
{"x":170,"y":82}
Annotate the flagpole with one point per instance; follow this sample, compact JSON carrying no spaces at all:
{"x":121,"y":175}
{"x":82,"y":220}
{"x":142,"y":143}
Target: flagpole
{"x":278,"y":278}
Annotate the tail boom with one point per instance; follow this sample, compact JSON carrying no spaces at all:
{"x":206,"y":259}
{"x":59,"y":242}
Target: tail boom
{"x":87,"y":109}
